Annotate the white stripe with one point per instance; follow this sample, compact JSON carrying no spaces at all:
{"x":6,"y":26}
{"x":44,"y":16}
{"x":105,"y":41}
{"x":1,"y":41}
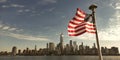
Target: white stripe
{"x":79,"y":18}
{"x":74,"y":21}
{"x":77,"y":32}
{"x":73,"y":25}
{"x":90,"y":30}
{"x":89,"y":23}
{"x":89,"y":26}
{"x":81,"y":14}
{"x":76,"y":28}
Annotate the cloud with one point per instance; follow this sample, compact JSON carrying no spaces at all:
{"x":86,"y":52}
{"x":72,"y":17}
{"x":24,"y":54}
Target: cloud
{"x":51,"y":9}
{"x":20,"y":11}
{"x":4,"y":27}
{"x":13,"y":5}
{"x":1,"y":26}
{"x":115,"y":4}
{"x":24,"y":37}
{"x":110,"y":33}
{"x":28,"y":37}
{"x":17,"y":5}
{"x":2,"y":1}
{"x":50,"y":1}
{"x":6,"y":30}
{"x":45,"y":2}
{"x":23,"y":10}
{"x":27,"y":10}
{"x":12,"y":29}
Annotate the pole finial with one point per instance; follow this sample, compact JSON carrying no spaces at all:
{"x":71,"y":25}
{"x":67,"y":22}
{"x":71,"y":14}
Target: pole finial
{"x":92,"y":7}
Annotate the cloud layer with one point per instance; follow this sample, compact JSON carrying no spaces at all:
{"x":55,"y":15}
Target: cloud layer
{"x":4,"y":27}
{"x":13,"y":5}
{"x":26,"y":37}
{"x":45,"y":2}
{"x":6,"y":30}
{"x":2,"y":1}
{"x":112,"y":32}
{"x":115,"y":4}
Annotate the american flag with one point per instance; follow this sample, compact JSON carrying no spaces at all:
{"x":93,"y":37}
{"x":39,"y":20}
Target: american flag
{"x":80,"y":24}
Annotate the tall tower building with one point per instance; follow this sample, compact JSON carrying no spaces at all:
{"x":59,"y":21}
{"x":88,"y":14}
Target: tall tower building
{"x":61,"y":43}
{"x":61,"y":38}
{"x":35,"y":51}
{"x":81,"y":49}
{"x":19,"y":52}
{"x":47,"y":46}
{"x":35,"y":48}
{"x":71,"y":45}
{"x":94,"y":46}
{"x":94,"y":51}
{"x":14,"y":50}
{"x":51,"y":46}
{"x":82,"y":43}
{"x":27,"y":50}
{"x":75,"y":46}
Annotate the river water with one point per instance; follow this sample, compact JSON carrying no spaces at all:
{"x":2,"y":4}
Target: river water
{"x":58,"y":58}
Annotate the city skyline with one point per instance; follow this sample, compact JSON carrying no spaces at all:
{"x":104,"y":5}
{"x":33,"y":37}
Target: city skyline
{"x":25,"y":23}
{"x":60,"y":49}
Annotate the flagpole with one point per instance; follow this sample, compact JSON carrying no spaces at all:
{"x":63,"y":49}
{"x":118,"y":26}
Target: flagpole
{"x":92,"y":8}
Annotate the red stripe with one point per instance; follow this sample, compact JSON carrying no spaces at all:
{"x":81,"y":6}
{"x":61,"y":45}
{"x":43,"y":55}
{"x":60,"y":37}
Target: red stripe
{"x":78,"y":9}
{"x":82,"y":24}
{"x":90,"y":24}
{"x":77,"y":19}
{"x":77,"y":34}
{"x":76,"y":30}
{"x":70,"y":26}
{"x":90,"y":28}
{"x":72,"y":22}
{"x":90,"y":32}
{"x":79,"y":15}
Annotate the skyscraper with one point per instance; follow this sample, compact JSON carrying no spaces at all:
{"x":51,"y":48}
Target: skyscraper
{"x":94,"y":46}
{"x":71,"y":43}
{"x":47,"y":46}
{"x":94,"y":49}
{"x":75,"y":46}
{"x":35,"y":48}
{"x":51,"y":46}
{"x":71,"y":46}
{"x":14,"y":50}
{"x":81,"y":49}
{"x":61,"y":43}
{"x":19,"y":52}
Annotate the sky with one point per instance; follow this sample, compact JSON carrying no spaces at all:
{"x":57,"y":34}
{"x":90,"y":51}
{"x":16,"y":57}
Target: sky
{"x":26,"y":23}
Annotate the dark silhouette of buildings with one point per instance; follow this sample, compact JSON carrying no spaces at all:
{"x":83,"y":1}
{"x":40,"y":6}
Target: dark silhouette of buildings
{"x":62,"y":49}
{"x":111,"y":51}
{"x":14,"y":50}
